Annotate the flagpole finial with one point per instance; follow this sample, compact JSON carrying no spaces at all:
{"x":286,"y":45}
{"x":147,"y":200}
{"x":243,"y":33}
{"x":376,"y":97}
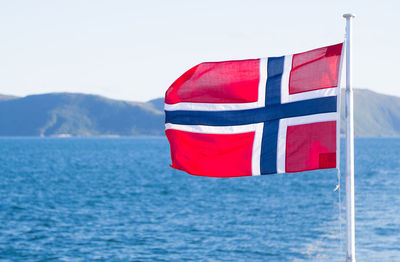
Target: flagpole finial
{"x":349,"y":15}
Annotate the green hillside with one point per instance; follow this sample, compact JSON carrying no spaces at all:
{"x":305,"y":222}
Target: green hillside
{"x":57,"y":114}
{"x":374,"y":114}
{"x":77,"y":115}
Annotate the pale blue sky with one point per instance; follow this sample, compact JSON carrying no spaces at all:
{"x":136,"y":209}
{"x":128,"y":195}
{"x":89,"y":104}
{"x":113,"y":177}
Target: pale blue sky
{"x":134,"y":50}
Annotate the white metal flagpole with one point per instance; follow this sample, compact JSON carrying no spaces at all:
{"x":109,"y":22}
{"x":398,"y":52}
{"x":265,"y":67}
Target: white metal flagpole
{"x":350,"y":220}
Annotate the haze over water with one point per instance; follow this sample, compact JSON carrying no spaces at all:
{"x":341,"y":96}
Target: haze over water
{"x":118,"y":200}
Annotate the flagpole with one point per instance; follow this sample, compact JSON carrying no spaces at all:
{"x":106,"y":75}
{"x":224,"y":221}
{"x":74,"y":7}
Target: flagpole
{"x":350,"y":220}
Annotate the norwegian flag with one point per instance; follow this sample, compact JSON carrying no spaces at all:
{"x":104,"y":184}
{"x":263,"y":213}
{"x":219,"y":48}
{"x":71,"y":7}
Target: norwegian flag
{"x":256,"y":117}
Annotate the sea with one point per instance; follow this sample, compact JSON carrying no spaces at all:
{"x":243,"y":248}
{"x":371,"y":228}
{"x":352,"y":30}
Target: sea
{"x":117,"y":199}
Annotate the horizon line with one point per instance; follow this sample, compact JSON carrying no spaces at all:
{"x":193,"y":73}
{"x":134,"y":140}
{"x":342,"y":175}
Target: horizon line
{"x":107,"y":97}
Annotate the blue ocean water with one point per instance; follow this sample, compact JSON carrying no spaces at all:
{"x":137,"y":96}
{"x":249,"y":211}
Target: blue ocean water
{"x":106,"y":199}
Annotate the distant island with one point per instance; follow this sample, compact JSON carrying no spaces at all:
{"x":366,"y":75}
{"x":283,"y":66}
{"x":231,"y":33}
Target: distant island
{"x":74,"y":114}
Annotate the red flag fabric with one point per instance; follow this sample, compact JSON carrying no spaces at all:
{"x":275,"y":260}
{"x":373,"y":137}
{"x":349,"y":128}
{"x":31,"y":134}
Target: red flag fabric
{"x":258,"y":116}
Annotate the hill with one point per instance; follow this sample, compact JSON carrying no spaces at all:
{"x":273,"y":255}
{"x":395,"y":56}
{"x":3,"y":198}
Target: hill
{"x":77,"y":115}
{"x":59,"y":114}
{"x":374,"y":114}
